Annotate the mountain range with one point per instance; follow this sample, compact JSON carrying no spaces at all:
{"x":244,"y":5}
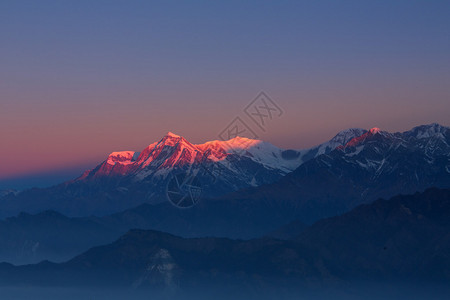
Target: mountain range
{"x":377,"y":164}
{"x":404,"y":238}
{"x":128,"y":178}
{"x":355,"y":167}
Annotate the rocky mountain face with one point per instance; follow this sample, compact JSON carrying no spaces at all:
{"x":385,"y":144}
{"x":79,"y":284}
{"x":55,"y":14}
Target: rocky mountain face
{"x":127,"y":178}
{"x":377,"y":164}
{"x":219,"y":166}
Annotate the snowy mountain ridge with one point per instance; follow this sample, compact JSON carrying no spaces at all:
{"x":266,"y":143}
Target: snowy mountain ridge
{"x":128,"y":178}
{"x":174,"y":151}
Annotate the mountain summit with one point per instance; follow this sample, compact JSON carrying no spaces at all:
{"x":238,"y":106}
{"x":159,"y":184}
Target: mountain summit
{"x":355,"y":166}
{"x":175,"y":152}
{"x":376,"y":164}
{"x":126,"y":179}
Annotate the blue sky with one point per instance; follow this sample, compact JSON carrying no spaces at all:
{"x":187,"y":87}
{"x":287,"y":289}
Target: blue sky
{"x":80,"y":79}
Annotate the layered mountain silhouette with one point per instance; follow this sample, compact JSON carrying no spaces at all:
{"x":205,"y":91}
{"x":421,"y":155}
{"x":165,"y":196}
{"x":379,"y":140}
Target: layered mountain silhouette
{"x":50,"y":235}
{"x":404,"y":238}
{"x":361,"y":169}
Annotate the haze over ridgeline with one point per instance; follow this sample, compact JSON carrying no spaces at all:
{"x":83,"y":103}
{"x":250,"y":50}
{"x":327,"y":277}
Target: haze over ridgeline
{"x":398,"y":249}
{"x":248,"y":189}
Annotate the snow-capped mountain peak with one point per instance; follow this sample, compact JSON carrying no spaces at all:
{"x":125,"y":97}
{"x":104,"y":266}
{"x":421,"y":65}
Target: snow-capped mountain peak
{"x":122,"y":157}
{"x":430,"y":130}
{"x":241,"y":143}
{"x":171,"y":139}
{"x":344,"y":136}
{"x":234,"y":145}
{"x":241,"y":162}
{"x":236,"y":163}
{"x":126,"y":178}
{"x":362,"y":138}
{"x":172,"y":149}
{"x":339,"y":140}
{"x":171,"y":134}
{"x":374,"y":130}
{"x":233,"y":159}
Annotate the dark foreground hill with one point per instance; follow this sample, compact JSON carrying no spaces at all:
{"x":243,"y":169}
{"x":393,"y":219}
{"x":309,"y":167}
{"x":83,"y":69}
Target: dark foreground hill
{"x":405,"y":239}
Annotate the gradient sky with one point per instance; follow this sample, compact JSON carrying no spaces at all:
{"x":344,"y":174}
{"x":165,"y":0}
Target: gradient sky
{"x":80,"y":79}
